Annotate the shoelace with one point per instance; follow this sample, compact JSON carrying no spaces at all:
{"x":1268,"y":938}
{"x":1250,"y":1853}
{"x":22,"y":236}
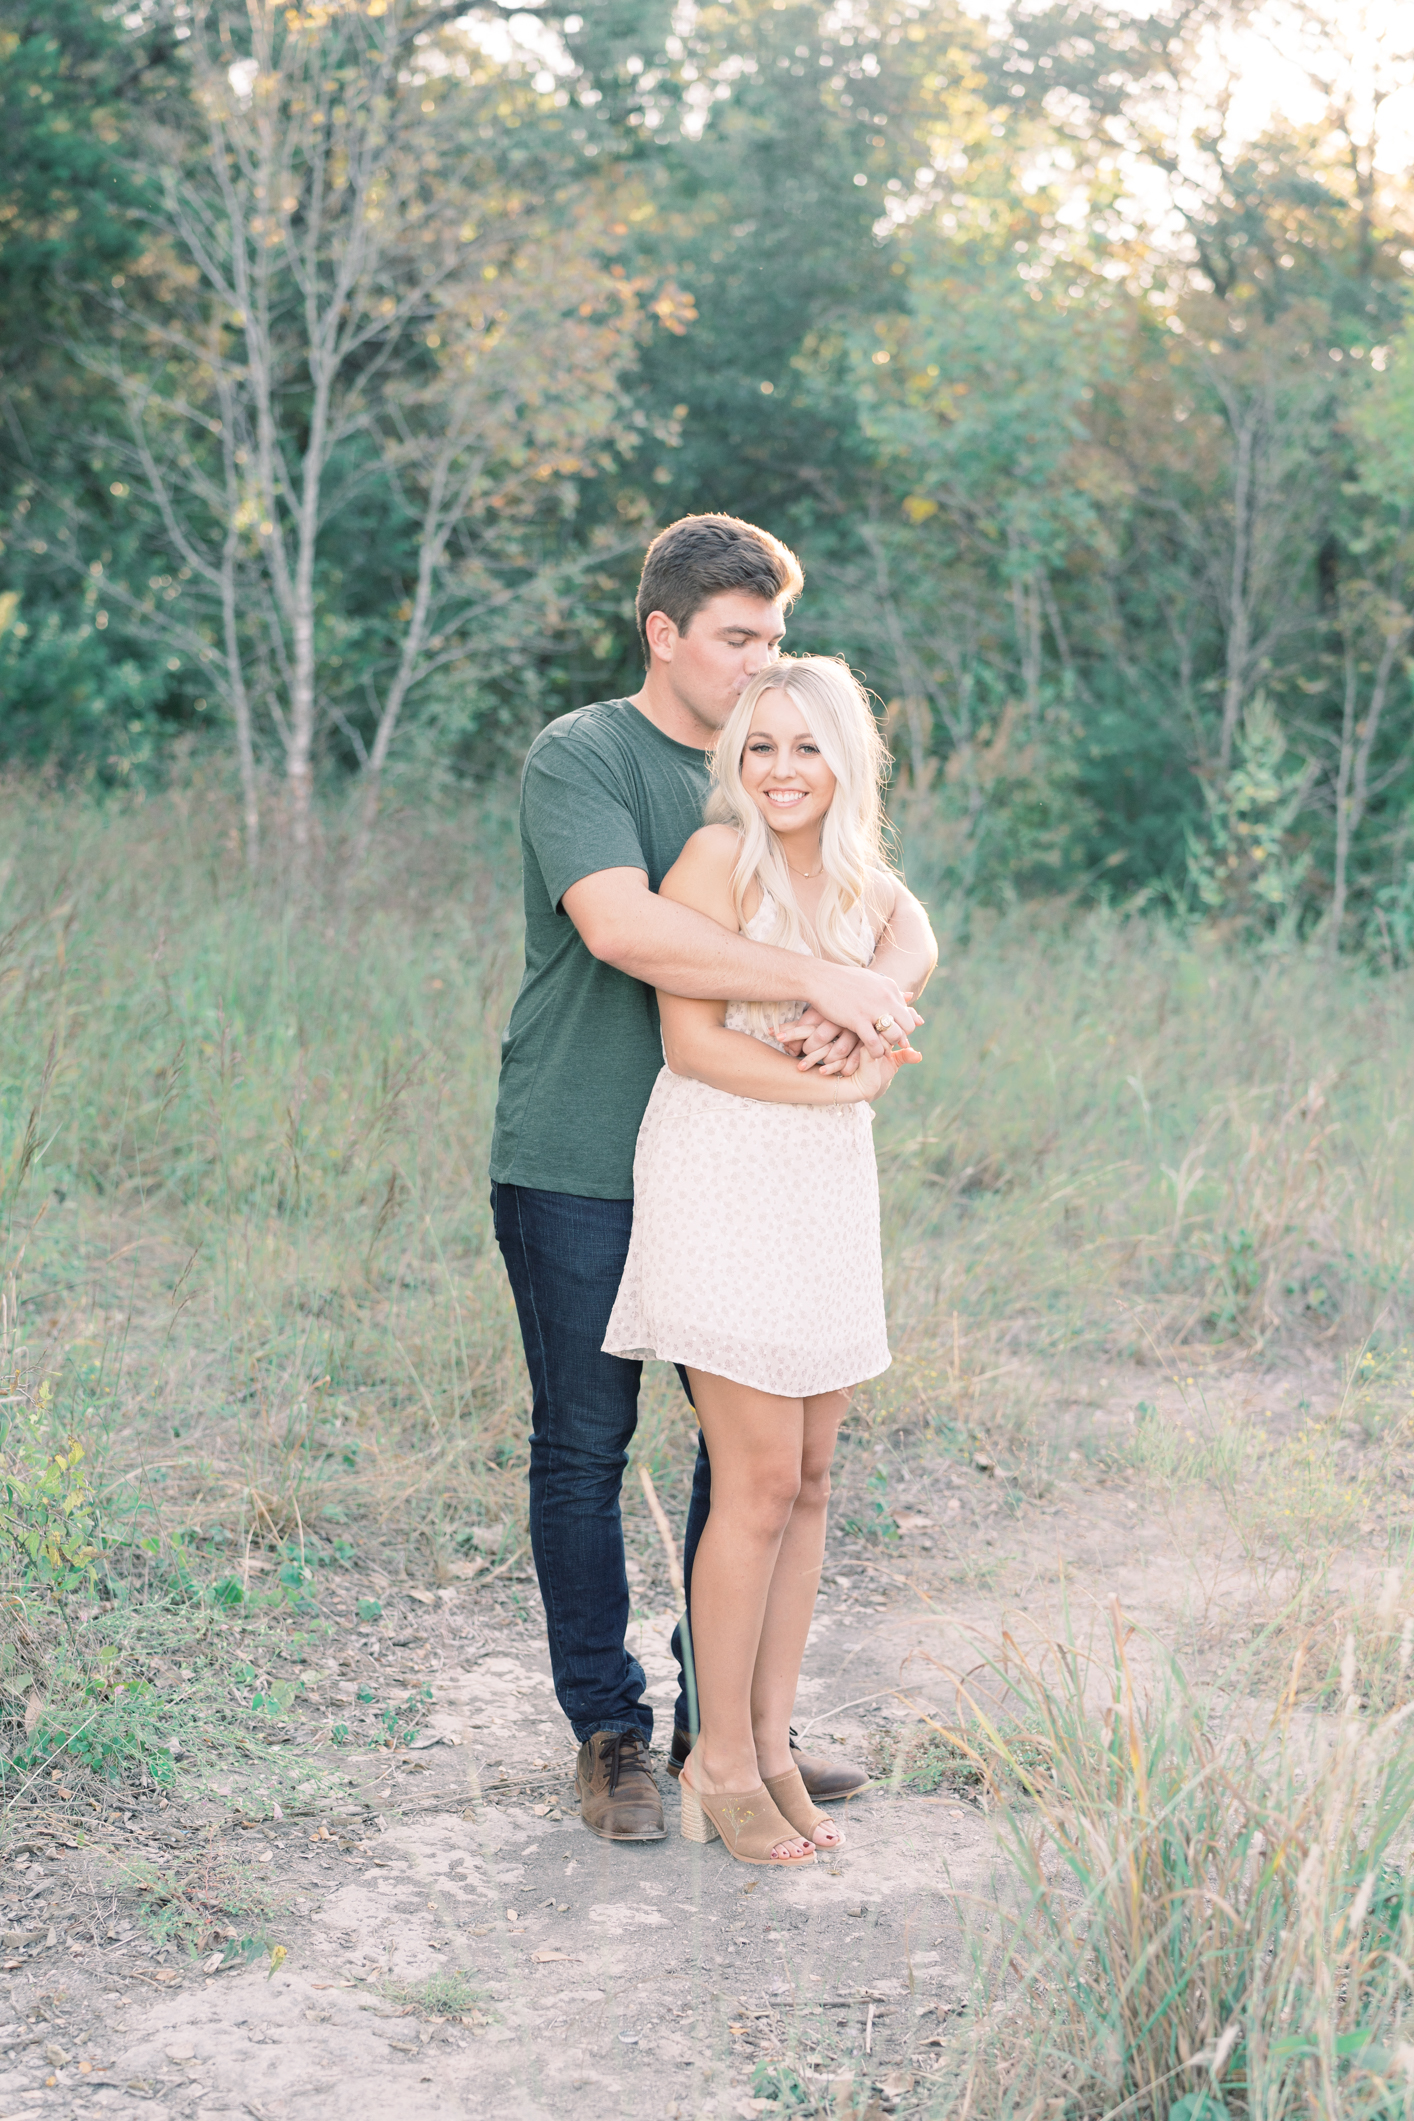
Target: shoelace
{"x":632,"y":1742}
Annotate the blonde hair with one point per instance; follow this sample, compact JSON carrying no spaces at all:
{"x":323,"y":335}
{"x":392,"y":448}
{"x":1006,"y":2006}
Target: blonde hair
{"x":838,"y":715}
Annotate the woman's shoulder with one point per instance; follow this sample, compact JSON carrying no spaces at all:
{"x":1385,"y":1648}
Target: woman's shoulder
{"x":713,"y":847}
{"x":702,"y":874}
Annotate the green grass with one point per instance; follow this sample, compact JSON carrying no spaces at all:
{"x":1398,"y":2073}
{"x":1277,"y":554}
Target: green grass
{"x":448,"y":1993}
{"x":927,"y":1757}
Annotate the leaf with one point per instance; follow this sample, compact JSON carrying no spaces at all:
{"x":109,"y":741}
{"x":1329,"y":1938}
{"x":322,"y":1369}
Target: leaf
{"x":34,"y":1709}
{"x":1198,"y":2106}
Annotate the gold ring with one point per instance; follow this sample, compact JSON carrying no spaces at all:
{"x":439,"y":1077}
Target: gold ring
{"x":885,"y":1023}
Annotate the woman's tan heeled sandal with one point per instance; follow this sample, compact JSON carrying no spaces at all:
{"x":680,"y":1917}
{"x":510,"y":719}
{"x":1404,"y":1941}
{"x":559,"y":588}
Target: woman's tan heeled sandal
{"x":747,"y":1820}
{"x":795,"y":1803}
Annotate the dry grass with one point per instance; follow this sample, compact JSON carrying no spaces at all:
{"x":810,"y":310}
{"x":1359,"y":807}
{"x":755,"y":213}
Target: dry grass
{"x":1220,"y":1894}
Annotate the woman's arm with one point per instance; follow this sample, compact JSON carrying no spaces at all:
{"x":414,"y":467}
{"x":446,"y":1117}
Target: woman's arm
{"x":697,"y":1043}
{"x":696,"y":1040}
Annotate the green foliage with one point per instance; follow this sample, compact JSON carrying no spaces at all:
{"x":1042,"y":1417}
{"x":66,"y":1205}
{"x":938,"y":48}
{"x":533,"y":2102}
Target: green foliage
{"x":48,"y":1518}
{"x":68,"y":191}
{"x":1242,"y":867}
{"x":76,"y":687}
{"x":881,"y":1516}
{"x":1199,"y":2106}
{"x":1383,"y":417}
{"x":111,"y":1727}
{"x":785,"y":2088}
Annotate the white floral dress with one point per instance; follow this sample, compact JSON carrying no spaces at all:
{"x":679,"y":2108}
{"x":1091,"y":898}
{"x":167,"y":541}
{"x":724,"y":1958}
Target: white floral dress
{"x":755,"y":1247}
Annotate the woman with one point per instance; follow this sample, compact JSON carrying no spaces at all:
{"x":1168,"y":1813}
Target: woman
{"x":754,"y":1259}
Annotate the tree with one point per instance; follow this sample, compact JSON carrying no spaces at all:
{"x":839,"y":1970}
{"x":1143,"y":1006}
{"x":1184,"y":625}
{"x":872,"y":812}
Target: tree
{"x":353,"y":292}
{"x":73,"y":84}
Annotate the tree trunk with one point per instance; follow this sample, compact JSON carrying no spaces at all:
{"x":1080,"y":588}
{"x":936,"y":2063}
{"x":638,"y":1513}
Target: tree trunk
{"x":1239,"y":626}
{"x":1343,"y":805}
{"x":299,"y":760}
{"x":431,"y":548}
{"x":1026,"y":613}
{"x":240,"y":706}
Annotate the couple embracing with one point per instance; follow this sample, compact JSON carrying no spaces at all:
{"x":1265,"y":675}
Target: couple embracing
{"x":704,"y":886}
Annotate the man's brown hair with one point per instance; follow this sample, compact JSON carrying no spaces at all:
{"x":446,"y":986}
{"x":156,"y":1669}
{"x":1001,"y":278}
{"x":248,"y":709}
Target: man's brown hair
{"x":700,"y":557}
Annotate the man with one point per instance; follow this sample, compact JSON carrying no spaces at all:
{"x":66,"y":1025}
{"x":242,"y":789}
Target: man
{"x":609,"y":796}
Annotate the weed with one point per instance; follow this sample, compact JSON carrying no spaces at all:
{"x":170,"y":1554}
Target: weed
{"x":212,"y":1901}
{"x":445,"y":1994}
{"x":787,"y":2089}
{"x":1378,"y":1399}
{"x":877,"y":1522}
{"x":927,"y":1757}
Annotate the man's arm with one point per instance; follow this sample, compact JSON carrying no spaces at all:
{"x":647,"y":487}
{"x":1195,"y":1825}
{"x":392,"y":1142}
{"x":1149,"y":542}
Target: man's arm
{"x":670,"y":946}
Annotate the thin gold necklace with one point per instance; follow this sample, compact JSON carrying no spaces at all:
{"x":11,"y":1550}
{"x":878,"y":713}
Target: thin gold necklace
{"x":806,"y":873}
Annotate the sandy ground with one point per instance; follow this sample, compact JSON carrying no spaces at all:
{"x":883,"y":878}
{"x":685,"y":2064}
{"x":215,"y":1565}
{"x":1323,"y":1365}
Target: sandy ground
{"x":627,"y":1980}
{"x":659,"y":1980}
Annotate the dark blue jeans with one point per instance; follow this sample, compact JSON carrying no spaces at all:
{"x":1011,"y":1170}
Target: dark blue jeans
{"x":564,"y":1256}
{"x":697,"y":1510}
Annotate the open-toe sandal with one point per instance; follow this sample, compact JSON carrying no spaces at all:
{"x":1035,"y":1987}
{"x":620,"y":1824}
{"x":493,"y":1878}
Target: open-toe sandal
{"x":749,"y":1823}
{"x":791,"y":1798}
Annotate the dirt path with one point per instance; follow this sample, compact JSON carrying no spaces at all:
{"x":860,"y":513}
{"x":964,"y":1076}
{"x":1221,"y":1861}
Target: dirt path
{"x":455,"y":1942}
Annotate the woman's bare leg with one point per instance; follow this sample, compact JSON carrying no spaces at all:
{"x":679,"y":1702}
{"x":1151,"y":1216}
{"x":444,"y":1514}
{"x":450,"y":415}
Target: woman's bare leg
{"x":754,"y":1440}
{"x":790,"y":1602}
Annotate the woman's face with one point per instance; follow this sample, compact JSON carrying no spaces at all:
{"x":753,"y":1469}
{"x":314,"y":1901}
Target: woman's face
{"x":783,"y":770}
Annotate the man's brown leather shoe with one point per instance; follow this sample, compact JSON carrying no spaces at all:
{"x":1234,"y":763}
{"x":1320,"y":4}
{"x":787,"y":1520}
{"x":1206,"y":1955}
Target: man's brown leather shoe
{"x":827,"y":1781}
{"x":618,"y":1797}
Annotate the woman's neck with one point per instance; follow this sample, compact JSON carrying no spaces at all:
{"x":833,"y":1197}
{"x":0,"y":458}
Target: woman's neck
{"x":801,"y":854}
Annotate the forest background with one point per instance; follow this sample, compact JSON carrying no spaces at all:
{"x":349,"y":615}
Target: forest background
{"x":349,"y":357}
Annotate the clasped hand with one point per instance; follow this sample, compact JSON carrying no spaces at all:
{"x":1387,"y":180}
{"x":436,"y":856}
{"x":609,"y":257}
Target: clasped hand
{"x":829,"y":1050}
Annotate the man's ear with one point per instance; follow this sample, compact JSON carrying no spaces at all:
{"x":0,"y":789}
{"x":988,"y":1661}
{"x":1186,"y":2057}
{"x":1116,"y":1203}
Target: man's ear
{"x":662,"y":635}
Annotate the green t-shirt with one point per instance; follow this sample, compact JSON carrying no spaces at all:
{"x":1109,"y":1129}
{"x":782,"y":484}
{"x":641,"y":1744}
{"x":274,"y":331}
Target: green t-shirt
{"x":602,"y":789}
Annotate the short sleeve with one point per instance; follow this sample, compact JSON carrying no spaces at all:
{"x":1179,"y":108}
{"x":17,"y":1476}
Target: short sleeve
{"x":577,"y":813}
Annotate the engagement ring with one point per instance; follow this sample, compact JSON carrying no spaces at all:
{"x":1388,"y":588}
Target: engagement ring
{"x":885,"y":1023}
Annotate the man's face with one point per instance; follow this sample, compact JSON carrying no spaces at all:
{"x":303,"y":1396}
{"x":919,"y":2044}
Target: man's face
{"x":727,"y":642}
